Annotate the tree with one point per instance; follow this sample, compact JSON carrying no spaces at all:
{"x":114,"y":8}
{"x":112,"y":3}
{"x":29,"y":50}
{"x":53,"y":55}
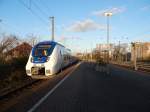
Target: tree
{"x":32,"y":39}
{"x":7,"y":42}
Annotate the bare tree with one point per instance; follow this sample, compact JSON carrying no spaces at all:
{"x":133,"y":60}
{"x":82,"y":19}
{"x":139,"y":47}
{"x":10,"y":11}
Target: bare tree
{"x":32,"y":39}
{"x":7,"y":42}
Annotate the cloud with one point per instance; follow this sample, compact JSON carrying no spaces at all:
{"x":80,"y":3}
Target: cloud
{"x":145,"y":8}
{"x":114,"y":10}
{"x":84,"y":26}
{"x":69,"y":37}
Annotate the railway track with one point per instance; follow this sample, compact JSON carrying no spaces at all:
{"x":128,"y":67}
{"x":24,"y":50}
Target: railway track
{"x":11,"y":91}
{"x":142,"y":66}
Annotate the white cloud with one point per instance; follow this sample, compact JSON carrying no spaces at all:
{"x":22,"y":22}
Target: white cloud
{"x":84,"y":26}
{"x":114,"y":10}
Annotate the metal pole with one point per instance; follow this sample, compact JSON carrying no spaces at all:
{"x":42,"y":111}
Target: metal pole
{"x":91,"y":53}
{"x":107,"y":38}
{"x":127,"y":56}
{"x":108,"y":48}
{"x":135,"y":57}
{"x":52,"y":23}
{"x":107,"y":32}
{"x":119,"y":53}
{"x":127,"y":51}
{"x":108,"y":14}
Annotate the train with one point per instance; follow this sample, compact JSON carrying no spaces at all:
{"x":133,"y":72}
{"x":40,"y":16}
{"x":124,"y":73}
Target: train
{"x":47,"y":58}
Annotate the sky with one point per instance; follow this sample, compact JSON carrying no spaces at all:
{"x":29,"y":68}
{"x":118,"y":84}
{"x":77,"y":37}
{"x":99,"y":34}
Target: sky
{"x":79,"y":24}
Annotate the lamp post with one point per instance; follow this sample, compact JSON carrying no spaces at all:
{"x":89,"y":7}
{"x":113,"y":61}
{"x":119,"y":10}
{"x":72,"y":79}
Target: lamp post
{"x":108,"y":15}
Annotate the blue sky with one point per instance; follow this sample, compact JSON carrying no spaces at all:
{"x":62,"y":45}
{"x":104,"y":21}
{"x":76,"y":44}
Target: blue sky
{"x":80,"y":24}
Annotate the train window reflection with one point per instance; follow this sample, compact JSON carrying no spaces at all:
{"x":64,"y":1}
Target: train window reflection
{"x":42,"y":50}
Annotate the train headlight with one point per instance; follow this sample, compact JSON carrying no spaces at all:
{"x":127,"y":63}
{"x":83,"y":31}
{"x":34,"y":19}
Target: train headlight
{"x":31,"y":59}
{"x":28,"y":71}
{"x":48,"y":71}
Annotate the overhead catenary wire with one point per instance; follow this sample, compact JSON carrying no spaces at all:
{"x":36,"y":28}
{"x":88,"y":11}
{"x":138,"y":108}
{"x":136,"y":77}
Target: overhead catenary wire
{"x":47,"y":9}
{"x":6,"y":24}
{"x":33,"y":12}
{"x":38,"y":8}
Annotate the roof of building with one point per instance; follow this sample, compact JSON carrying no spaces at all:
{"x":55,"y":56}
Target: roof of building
{"x":21,"y":48}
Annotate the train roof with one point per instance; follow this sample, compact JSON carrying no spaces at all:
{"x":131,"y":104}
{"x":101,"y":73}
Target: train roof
{"x":50,"y":42}
{"x":53,"y":43}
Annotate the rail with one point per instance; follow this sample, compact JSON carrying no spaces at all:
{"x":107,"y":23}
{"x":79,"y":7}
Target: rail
{"x":8,"y":91}
{"x":142,"y":66}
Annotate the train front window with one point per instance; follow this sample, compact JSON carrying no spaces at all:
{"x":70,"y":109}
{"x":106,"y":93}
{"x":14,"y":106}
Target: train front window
{"x":42,"y":50}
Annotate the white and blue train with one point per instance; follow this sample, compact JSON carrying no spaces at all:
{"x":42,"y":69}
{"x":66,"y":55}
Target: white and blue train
{"x":48,"y":58}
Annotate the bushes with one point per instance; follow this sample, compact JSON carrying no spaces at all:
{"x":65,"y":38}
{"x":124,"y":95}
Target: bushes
{"x":7,"y":69}
{"x":19,"y":62}
{"x":13,"y":72}
{"x":13,"y":79}
{"x":4,"y":68}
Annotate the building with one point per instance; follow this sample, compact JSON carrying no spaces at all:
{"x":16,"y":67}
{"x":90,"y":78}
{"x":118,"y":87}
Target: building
{"x":142,"y":51}
{"x":79,"y":55}
{"x":103,"y":47}
{"x":21,"y":50}
{"x":122,"y":52}
{"x":101,"y":51}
